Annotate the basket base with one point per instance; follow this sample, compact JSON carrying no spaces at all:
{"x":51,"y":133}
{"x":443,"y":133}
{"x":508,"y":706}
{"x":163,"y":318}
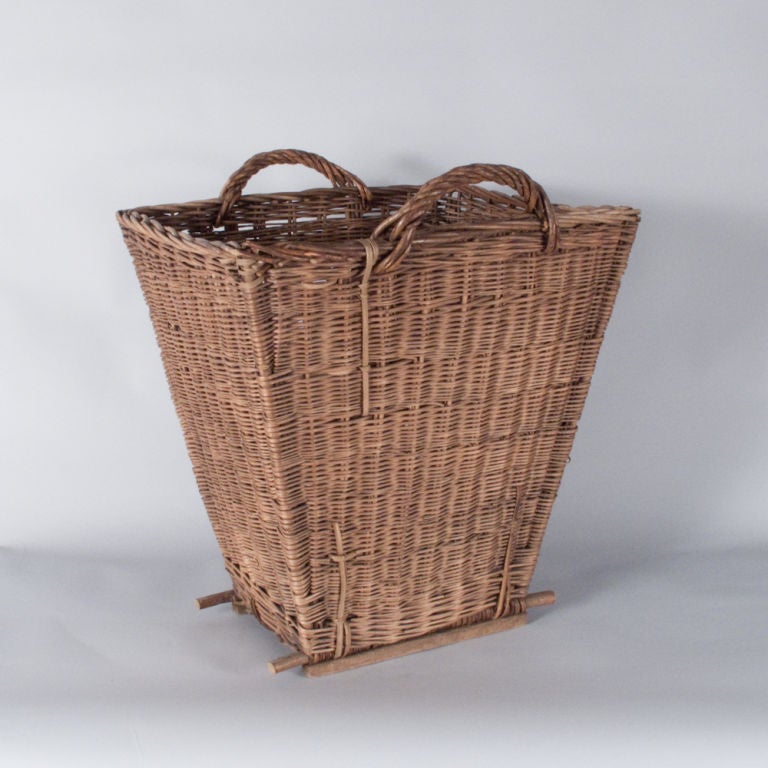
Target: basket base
{"x":395,"y":650}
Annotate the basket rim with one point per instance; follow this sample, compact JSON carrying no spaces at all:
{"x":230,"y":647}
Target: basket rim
{"x":142,"y":218}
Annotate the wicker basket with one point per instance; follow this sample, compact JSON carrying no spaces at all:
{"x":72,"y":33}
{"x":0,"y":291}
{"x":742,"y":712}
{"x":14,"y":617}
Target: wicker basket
{"x":379,"y":389}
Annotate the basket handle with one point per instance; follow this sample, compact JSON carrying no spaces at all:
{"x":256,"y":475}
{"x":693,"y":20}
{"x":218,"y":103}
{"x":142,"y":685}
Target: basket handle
{"x":236,"y":182}
{"x":403,"y":224}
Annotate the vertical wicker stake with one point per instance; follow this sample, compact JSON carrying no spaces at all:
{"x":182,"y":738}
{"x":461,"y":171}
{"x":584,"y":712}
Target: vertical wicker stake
{"x":371,"y":256}
{"x":502,"y":605}
{"x":343,"y":638}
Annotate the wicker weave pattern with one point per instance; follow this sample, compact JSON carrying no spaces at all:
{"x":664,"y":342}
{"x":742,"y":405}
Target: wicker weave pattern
{"x":379,"y":425}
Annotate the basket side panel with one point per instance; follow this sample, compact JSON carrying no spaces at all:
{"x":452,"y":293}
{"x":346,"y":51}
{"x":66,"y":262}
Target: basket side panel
{"x":428,"y":511}
{"x":213,"y":327}
{"x":608,"y":249}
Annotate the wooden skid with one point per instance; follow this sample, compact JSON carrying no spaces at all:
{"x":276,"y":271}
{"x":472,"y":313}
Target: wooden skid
{"x":395,"y":650}
{"x":404,"y":648}
{"x":216,"y":599}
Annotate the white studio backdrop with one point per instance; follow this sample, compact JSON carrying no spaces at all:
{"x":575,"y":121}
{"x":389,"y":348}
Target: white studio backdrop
{"x":659,"y":105}
{"x":110,"y":105}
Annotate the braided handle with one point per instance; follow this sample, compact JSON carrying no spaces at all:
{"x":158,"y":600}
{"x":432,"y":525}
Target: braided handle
{"x":403,"y":224}
{"x":336,"y":174}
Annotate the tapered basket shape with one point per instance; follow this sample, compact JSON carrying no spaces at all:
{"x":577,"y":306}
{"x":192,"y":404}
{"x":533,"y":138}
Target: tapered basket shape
{"x":379,"y":388}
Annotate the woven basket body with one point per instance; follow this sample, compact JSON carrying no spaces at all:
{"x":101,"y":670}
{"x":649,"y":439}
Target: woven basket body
{"x":379,"y":434}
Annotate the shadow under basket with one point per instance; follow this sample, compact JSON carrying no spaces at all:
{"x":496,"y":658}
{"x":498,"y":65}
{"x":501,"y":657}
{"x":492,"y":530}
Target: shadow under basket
{"x":379,"y":389}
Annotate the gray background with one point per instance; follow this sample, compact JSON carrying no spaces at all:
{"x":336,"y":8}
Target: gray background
{"x":658,"y":544}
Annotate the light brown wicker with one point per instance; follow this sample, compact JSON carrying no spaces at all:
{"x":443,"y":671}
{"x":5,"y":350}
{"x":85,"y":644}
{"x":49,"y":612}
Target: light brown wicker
{"x":379,"y":389}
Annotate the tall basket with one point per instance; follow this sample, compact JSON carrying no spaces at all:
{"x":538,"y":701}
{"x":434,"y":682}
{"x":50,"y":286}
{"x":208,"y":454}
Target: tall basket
{"x":379,"y":389}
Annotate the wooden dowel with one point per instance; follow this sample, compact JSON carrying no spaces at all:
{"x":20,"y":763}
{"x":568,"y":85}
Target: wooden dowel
{"x":406,"y":647}
{"x":297,"y":659}
{"x":215,"y":599}
{"x":537,"y":599}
